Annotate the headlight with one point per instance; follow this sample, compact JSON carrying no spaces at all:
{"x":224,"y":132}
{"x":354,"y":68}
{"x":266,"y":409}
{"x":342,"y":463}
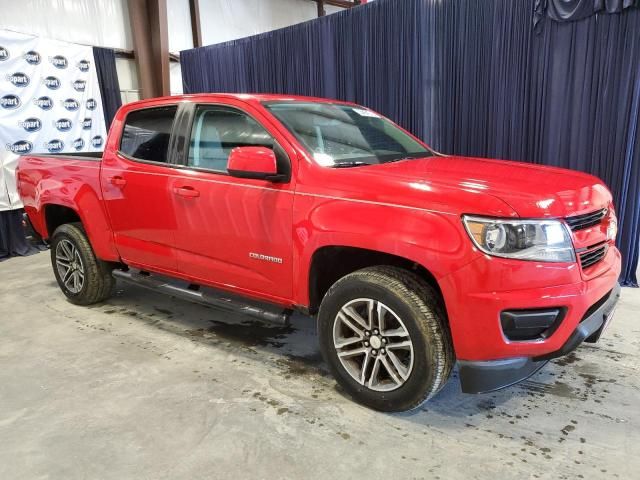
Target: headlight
{"x":538,"y":240}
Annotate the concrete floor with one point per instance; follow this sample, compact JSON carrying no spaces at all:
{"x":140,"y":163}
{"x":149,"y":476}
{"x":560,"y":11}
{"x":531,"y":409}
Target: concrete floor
{"x":145,"y":386}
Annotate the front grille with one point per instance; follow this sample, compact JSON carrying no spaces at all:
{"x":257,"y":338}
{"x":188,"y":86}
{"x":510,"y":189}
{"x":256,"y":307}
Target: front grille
{"x":593,"y":255}
{"x":580,"y":222}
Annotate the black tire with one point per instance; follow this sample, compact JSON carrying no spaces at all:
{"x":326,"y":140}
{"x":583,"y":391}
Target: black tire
{"x":98,"y":283}
{"x":421,"y":313}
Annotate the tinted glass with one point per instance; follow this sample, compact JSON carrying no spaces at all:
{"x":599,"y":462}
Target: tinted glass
{"x":343,"y":135}
{"x":217,"y":130}
{"x":147,"y":132}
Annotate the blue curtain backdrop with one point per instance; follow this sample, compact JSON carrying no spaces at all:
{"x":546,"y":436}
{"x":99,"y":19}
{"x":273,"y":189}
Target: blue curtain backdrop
{"x":497,"y":78}
{"x":105,"y":59}
{"x":570,"y":10}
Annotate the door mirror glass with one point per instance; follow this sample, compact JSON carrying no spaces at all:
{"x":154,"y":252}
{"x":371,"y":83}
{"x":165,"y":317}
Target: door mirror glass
{"x":253,"y":162}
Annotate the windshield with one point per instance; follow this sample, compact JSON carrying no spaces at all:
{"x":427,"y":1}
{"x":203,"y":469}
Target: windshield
{"x":344,"y":135}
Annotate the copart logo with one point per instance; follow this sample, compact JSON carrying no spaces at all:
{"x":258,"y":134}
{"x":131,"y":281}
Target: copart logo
{"x":79,"y":85}
{"x":83,"y":65}
{"x":54,"y":146}
{"x":45,"y":103}
{"x":31,"y":124}
{"x":92,"y":104}
{"x":32,"y":57}
{"x":10,"y":102}
{"x":19,"y":79}
{"x":71,"y":104}
{"x":86,"y":124}
{"x":59,"y":61}
{"x":78,"y":144}
{"x":52,"y":83}
{"x":63,"y":125}
{"x":21,"y":147}
{"x":96,"y":142}
{"x":4,"y":54}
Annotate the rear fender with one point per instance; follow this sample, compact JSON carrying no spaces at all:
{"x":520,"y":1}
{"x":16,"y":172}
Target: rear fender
{"x":71,"y":184}
{"x":89,"y":209}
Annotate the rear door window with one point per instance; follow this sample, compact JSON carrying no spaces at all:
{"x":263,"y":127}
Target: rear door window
{"x":147,"y":132}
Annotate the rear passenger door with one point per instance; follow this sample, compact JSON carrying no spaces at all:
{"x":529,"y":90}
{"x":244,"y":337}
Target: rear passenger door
{"x":135,"y":185}
{"x":234,"y":233}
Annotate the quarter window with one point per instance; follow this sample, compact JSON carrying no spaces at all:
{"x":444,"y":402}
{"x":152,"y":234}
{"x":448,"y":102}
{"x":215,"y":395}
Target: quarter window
{"x":147,"y":132}
{"x":218,"y":130}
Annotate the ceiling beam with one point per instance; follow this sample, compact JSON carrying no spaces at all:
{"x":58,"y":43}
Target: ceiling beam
{"x":340,"y":3}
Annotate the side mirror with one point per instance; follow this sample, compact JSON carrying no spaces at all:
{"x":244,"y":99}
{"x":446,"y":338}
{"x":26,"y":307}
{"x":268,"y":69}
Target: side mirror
{"x":253,"y":162}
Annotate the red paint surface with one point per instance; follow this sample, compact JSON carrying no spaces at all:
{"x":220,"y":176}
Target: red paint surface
{"x":201,"y":226}
{"x":253,"y":159}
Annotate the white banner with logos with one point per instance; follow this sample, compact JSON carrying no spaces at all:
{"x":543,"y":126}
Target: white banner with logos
{"x":49,"y":103}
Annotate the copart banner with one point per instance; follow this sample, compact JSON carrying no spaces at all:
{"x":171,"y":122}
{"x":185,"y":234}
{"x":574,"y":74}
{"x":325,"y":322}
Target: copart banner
{"x":49,"y":103}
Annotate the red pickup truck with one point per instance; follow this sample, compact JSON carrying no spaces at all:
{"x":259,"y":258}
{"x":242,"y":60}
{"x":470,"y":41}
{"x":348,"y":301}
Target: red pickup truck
{"x":411,"y":260}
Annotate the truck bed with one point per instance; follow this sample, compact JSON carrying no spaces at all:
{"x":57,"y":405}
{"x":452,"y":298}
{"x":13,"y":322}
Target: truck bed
{"x":65,"y":179}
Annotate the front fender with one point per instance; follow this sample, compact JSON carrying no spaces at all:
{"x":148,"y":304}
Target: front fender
{"x":435,"y":240}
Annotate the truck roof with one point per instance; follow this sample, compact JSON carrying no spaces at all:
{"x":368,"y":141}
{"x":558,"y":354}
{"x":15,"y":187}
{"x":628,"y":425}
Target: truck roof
{"x":251,"y":97}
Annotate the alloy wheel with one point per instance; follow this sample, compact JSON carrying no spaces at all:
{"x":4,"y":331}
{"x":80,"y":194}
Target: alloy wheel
{"x":373,"y":344}
{"x":70,"y":266}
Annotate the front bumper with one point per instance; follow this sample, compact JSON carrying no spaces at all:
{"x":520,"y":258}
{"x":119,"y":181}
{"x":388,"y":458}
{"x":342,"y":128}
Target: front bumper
{"x":477,"y":294}
{"x":486,"y":376}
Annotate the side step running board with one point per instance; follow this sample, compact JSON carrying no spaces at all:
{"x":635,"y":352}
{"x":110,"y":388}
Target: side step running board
{"x":206,"y":296}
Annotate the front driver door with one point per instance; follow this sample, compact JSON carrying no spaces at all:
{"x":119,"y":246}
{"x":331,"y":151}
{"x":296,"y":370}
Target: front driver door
{"x":233,"y":233}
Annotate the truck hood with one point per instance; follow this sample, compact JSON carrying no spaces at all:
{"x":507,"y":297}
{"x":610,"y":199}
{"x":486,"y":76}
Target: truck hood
{"x":491,"y":187}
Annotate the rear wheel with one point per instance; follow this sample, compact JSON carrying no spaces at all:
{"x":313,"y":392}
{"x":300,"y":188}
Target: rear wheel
{"x":82,"y":277}
{"x":384,"y":335}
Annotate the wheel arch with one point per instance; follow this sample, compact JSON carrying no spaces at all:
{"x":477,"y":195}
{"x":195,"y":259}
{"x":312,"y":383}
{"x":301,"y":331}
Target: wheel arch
{"x":55,"y":214}
{"x":332,"y":262}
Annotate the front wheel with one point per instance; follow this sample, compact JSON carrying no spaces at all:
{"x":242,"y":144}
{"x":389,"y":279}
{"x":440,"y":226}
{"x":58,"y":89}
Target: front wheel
{"x":385,"y":338}
{"x":82,"y":277}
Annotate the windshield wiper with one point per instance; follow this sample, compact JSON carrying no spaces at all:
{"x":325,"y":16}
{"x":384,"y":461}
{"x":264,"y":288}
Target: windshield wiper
{"x":409,"y":157}
{"x":349,"y":164}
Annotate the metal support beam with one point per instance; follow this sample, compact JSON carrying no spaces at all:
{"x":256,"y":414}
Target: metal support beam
{"x":160,"y":43}
{"x":336,"y":3}
{"x":151,"y":45}
{"x":342,"y":3}
{"x":196,"y":29}
{"x":123,"y":53}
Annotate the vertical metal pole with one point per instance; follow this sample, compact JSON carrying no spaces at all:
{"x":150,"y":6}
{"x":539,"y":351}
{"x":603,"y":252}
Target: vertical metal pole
{"x":196,"y":29}
{"x":149,"y":28}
